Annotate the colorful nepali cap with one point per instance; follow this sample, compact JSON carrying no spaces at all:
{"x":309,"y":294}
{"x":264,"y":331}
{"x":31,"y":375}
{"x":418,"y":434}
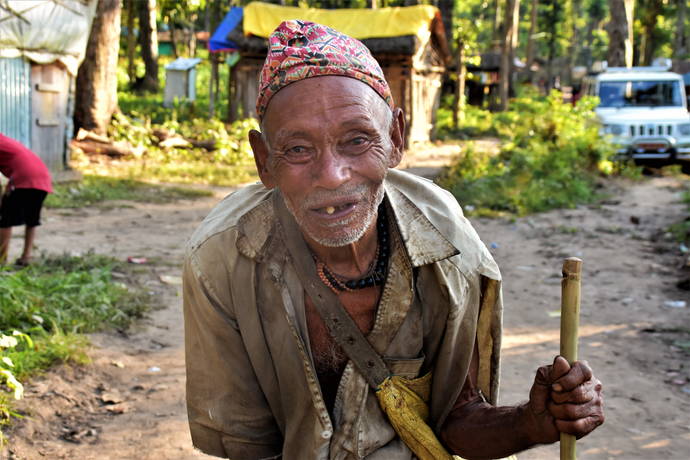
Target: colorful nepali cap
{"x":302,"y":49}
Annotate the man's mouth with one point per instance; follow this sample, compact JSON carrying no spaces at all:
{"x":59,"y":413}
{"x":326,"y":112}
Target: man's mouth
{"x":335,"y":209}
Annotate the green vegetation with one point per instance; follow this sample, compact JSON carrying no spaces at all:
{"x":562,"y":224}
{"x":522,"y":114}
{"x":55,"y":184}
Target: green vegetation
{"x":96,"y":189}
{"x":151,"y":104}
{"x":229,"y":162}
{"x":550,"y":157}
{"x":476,"y":122}
{"x":46,"y":307}
{"x":206,"y":151}
{"x":681,"y":230}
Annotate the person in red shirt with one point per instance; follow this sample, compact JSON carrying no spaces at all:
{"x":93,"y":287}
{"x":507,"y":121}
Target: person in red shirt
{"x":29,"y":184}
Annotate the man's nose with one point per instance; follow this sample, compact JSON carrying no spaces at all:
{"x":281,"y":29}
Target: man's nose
{"x":333,"y":170}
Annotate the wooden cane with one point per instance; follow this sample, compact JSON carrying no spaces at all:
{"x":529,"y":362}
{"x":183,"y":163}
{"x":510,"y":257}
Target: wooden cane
{"x":570,"y":322}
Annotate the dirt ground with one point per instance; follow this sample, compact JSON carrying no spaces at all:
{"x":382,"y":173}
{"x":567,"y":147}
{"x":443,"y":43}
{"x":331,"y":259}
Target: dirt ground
{"x":129,"y":403}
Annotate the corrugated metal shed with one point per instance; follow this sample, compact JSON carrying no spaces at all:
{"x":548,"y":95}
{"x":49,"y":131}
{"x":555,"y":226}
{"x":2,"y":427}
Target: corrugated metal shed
{"x":42,"y":44}
{"x":15,"y":99}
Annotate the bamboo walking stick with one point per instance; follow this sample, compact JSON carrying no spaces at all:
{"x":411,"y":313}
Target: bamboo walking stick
{"x":570,"y":322}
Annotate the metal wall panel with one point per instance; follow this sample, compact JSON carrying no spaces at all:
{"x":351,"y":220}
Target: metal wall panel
{"x":15,"y":99}
{"x":49,"y":109}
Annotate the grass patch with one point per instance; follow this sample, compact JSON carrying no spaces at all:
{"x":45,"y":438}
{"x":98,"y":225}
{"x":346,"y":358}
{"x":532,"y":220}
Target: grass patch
{"x":180,"y":172}
{"x":92,"y":190}
{"x":681,"y":230}
{"x":69,"y":293}
{"x":47,"y":307}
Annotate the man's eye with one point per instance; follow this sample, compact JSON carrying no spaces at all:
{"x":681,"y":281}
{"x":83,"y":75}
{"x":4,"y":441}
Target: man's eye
{"x":355,"y":145}
{"x":297,"y":150}
{"x":297,"y":154}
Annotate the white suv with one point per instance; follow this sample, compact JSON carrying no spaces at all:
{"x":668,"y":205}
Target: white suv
{"x":645,"y":111}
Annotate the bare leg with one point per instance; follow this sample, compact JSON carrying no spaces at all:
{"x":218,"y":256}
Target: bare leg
{"x":29,"y":236}
{"x":5,"y":234}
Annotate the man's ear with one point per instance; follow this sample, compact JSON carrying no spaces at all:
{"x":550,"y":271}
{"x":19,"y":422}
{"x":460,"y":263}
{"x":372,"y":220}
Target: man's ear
{"x":397,"y":138}
{"x":261,"y":154}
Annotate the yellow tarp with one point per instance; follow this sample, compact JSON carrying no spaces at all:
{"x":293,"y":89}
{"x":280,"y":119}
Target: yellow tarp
{"x":261,"y":19}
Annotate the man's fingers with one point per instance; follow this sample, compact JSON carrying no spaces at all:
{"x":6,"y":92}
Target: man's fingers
{"x":568,"y":412}
{"x":559,"y":368}
{"x":579,"y":373}
{"x":581,"y":427}
{"x":578,"y":395}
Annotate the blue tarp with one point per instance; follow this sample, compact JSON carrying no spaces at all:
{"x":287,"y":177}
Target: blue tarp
{"x":219,"y":40}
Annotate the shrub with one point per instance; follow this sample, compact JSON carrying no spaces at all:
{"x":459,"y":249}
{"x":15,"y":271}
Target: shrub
{"x":550,"y":158}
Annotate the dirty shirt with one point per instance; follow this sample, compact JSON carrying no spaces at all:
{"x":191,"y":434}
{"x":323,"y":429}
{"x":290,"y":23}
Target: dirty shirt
{"x":22,"y":167}
{"x":252,"y":388}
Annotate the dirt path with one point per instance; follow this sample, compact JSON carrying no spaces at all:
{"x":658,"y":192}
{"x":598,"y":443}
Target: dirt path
{"x":630,"y":271}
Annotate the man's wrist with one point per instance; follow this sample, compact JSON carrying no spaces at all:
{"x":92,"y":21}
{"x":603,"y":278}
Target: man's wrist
{"x":528,"y":426}
{"x":533,"y":429}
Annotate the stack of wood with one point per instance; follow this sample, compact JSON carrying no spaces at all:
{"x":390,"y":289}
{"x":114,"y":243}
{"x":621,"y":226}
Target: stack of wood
{"x":96,"y":144}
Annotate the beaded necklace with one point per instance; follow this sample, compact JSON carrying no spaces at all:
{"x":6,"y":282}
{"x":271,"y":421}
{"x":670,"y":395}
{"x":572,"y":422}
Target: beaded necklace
{"x":376,"y":274}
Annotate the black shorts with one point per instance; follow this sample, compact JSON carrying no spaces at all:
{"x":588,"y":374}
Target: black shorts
{"x":22,"y":207}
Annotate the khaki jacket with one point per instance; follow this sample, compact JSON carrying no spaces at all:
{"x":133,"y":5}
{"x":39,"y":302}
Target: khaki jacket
{"x":252,"y":390}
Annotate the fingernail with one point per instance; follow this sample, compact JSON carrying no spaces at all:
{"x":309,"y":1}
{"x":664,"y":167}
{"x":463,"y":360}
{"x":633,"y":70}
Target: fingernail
{"x":557,"y":387}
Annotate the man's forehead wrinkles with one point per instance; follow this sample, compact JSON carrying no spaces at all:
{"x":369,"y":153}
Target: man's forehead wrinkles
{"x":363,"y":121}
{"x":285,"y":133}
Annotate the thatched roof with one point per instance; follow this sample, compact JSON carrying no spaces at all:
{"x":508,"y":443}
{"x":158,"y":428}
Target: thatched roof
{"x":406,"y":45}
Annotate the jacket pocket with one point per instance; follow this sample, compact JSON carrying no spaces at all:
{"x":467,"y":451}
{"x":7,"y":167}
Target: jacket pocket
{"x":405,"y":367}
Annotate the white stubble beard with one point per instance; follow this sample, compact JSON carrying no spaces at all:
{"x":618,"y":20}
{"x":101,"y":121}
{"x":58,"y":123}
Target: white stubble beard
{"x":350,"y":235}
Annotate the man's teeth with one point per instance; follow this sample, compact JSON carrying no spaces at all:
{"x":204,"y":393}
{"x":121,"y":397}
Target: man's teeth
{"x":330,"y":210}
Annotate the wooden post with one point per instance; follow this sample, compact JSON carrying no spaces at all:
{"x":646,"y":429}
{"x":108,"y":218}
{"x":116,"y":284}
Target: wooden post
{"x":570,"y":323}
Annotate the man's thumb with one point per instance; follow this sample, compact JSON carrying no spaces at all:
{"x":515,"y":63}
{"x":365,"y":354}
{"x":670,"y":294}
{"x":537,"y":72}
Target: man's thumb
{"x":539,"y":393}
{"x":559,"y":368}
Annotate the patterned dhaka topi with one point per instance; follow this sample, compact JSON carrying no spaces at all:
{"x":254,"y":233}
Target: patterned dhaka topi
{"x":301,"y":49}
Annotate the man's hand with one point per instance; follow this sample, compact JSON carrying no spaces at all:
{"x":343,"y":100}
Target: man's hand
{"x":564,"y":399}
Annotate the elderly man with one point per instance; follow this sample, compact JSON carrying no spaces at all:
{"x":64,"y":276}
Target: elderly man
{"x":272,"y":370}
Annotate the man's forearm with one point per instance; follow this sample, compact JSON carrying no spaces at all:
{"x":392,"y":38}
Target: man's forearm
{"x":478,"y":430}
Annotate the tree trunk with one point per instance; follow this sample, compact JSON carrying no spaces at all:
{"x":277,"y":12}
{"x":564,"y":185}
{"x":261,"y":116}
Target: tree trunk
{"x":620,"y":32}
{"x":96,"y":86}
{"x":553,"y":19}
{"x":498,"y":35}
{"x":680,"y":47}
{"x":532,"y":32}
{"x":575,"y":39}
{"x":512,"y":19}
{"x":148,"y":39}
{"x":173,"y":36}
{"x":446,"y":8}
{"x":649,"y":43}
{"x":231,"y":109}
{"x":214,"y":17}
{"x":131,"y":40}
{"x":192,"y":37}
{"x":459,"y":102}
{"x":594,"y":13}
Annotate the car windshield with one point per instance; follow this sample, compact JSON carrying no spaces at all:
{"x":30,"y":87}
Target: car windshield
{"x":639,"y":93}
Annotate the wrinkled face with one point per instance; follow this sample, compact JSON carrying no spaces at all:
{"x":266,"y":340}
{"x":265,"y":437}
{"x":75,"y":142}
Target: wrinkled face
{"x":327,"y":145}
